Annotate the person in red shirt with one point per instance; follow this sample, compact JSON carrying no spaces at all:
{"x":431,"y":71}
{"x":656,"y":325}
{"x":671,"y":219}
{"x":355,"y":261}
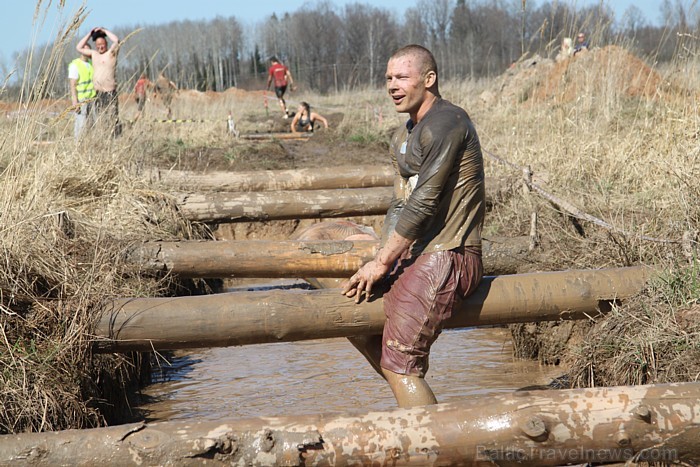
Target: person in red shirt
{"x":142,"y":85}
{"x":282,"y":77}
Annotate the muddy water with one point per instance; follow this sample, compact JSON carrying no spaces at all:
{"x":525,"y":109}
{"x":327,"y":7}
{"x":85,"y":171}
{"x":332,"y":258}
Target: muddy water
{"x":327,"y":376}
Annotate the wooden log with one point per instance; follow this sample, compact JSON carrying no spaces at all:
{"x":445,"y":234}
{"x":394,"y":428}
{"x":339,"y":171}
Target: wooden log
{"x":304,"y":258}
{"x":656,"y":423}
{"x":278,"y":135}
{"x":293,"y":204}
{"x":243,"y":318}
{"x":234,"y":207}
{"x":275,"y":135}
{"x":322,"y":178}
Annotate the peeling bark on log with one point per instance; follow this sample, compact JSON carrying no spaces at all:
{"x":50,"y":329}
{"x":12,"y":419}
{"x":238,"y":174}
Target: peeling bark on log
{"x":321,"y":178}
{"x":243,"y":318}
{"x":235,"y":207}
{"x":282,"y":259}
{"x":538,"y":428}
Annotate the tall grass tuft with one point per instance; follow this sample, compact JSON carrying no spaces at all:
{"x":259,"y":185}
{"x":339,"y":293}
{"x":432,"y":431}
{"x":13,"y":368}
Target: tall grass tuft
{"x":68,"y":213}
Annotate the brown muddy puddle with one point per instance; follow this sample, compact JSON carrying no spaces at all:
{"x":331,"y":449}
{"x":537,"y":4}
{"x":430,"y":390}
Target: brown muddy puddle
{"x":327,"y":376}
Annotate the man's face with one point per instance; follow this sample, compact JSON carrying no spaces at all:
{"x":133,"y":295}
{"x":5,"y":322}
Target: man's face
{"x":405,"y":84}
{"x":580,"y":38}
{"x":101,"y":45}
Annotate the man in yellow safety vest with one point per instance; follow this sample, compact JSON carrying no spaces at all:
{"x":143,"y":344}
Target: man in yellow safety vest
{"x":82,"y":92}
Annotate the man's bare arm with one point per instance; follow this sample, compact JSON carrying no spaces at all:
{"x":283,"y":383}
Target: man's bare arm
{"x":112,"y":37}
{"x":82,"y":43}
{"x":74,"y":93}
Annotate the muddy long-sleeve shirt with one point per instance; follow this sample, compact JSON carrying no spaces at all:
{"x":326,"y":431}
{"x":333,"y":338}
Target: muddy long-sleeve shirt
{"x":439,"y":192}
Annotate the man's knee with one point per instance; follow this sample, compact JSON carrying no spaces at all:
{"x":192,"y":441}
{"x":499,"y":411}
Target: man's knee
{"x":409,"y":390}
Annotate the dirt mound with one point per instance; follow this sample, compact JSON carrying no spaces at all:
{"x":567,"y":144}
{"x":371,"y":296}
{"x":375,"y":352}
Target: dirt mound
{"x":610,"y":69}
{"x":517,"y":83}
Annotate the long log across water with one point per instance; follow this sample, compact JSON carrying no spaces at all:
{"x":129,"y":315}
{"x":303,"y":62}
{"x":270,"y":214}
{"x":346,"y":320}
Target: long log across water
{"x":655,"y":423}
{"x":303,"y":258}
{"x":243,"y":318}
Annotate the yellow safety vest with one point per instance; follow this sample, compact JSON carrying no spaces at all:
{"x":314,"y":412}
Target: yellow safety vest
{"x":84,"y":87}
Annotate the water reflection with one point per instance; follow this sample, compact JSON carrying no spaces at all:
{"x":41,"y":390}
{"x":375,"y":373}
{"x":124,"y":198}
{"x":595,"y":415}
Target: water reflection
{"x":327,"y":376}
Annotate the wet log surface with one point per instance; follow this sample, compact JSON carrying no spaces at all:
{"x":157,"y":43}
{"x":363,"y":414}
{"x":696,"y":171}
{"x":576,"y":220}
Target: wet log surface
{"x":290,"y":259}
{"x":321,"y":178}
{"x":222,"y":207}
{"x":524,"y":428}
{"x":281,"y":205}
{"x":243,"y":318}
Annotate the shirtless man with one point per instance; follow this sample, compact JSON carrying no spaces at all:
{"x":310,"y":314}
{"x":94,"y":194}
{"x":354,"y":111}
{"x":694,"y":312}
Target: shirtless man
{"x":430,"y":257}
{"x":104,"y":63}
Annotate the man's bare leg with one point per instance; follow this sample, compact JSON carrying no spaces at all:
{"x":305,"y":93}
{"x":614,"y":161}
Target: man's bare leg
{"x":409,"y":390}
{"x":283,"y":106}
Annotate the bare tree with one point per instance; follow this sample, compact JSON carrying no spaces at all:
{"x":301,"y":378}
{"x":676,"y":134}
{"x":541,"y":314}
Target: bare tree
{"x":370,"y":36}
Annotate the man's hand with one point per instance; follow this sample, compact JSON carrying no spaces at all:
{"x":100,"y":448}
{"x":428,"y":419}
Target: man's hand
{"x":364,"y":279}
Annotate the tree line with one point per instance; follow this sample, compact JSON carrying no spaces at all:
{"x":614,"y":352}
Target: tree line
{"x":330,"y":49}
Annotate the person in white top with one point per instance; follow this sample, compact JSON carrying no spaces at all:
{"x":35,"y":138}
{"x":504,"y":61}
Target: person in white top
{"x":82,"y":92}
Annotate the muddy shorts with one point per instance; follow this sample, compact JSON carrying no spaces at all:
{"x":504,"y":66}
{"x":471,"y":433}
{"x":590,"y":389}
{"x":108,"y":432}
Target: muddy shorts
{"x":423,"y":292}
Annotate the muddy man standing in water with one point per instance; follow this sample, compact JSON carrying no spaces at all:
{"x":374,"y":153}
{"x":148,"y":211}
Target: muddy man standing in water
{"x":430,"y":256}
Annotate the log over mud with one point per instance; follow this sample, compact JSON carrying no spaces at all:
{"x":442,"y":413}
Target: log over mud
{"x":283,"y":205}
{"x":657,"y":423}
{"x":221,"y":207}
{"x":243,"y":318}
{"x":273,"y":136}
{"x":289,"y":259}
{"x":320,"y":178}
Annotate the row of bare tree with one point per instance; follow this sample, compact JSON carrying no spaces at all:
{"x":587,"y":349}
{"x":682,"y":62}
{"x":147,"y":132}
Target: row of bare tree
{"x":332,"y":49}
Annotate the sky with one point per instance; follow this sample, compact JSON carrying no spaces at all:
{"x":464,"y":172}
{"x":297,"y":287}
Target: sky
{"x":18,"y":30}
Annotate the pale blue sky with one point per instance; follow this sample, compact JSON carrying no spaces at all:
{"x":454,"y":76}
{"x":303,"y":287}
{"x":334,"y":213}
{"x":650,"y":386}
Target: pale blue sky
{"x":17,"y":30}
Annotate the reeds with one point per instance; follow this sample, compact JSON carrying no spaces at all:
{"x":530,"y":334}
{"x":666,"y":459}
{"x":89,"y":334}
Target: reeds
{"x":68,"y":212}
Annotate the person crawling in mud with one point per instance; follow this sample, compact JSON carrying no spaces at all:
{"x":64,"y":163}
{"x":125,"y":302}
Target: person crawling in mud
{"x":305,"y":120}
{"x":430,"y":255}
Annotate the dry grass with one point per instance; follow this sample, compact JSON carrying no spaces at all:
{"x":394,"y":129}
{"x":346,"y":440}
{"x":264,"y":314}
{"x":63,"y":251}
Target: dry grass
{"x":652,"y":339}
{"x":625,"y":153}
{"x":69,"y":212}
